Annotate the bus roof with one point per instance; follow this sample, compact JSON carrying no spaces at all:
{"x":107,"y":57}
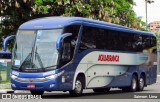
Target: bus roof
{"x":60,"y":22}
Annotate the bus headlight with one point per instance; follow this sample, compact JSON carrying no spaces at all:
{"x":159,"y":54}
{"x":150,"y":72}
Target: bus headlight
{"x":14,"y":76}
{"x":51,"y":76}
{"x":54,"y":75}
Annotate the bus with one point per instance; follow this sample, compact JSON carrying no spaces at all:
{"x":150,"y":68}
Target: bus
{"x":6,"y":40}
{"x":75,"y":53}
{"x":5,"y":56}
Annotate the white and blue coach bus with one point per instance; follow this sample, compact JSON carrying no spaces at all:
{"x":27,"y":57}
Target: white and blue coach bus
{"x":73,"y":53}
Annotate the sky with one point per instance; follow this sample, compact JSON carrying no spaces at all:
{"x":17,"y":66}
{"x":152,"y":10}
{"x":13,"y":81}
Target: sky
{"x":153,"y":10}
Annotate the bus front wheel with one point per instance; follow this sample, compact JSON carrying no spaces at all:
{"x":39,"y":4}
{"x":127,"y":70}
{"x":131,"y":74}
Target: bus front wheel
{"x":78,"y":88}
{"x":33,"y":92}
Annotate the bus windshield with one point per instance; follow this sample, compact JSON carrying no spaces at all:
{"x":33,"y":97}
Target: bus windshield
{"x":35,"y":49}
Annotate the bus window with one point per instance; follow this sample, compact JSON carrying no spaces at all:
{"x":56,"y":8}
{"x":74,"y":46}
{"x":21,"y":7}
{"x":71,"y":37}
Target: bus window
{"x":69,"y":44}
{"x":5,"y":56}
{"x":88,"y":39}
{"x":137,"y":44}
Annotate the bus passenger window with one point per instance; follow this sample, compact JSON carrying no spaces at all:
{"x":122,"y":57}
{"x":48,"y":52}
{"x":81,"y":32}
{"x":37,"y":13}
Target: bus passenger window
{"x":88,"y":39}
{"x":66,"y":55}
{"x":5,"y":56}
{"x":137,"y":44}
{"x":69,"y":44}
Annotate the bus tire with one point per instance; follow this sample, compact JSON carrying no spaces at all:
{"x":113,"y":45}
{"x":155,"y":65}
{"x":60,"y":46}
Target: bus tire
{"x":101,"y":90}
{"x":78,"y":90}
{"x":35,"y":92}
{"x":134,"y":84}
{"x":141,"y":83}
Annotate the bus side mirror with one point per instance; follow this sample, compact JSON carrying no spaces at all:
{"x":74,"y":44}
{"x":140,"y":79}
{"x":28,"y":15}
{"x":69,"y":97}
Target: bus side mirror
{"x":60,"y":40}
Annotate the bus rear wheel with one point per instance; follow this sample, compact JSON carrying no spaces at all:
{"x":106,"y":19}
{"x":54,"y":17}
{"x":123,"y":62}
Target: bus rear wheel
{"x":133,"y":87}
{"x":141,"y":83}
{"x":101,"y":90}
{"x":33,"y":92}
{"x":78,"y":90}
{"x":134,"y":84}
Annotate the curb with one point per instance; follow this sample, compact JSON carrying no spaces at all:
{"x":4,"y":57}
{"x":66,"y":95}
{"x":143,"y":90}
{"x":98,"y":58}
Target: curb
{"x":5,"y":86}
{"x":13,"y":91}
{"x":7,"y":91}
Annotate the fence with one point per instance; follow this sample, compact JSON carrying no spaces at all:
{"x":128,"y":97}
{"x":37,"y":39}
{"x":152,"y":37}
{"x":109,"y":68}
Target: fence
{"x":5,"y":71}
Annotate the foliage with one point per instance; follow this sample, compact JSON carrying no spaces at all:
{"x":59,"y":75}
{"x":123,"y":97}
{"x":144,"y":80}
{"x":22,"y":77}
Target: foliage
{"x":15,"y":12}
{"x":158,"y":39}
{"x":5,"y":82}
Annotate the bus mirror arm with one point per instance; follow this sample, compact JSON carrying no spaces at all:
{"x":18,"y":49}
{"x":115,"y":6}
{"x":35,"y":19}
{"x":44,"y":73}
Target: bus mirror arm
{"x":60,"y":40}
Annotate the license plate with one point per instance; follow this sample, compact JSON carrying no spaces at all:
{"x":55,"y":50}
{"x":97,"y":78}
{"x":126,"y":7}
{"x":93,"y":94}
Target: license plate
{"x":31,"y":86}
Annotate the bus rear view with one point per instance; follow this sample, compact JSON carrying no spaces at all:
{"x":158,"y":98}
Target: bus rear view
{"x":72,"y":54}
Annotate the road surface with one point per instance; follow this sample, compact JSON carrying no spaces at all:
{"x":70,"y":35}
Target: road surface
{"x":115,"y":95}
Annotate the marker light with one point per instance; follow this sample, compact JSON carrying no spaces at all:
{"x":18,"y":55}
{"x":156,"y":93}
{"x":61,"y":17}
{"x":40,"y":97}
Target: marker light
{"x":51,"y":76}
{"x":13,"y":76}
{"x":54,"y":75}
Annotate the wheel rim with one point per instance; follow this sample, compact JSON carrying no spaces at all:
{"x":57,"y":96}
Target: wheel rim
{"x":134,"y":84}
{"x":78,"y":86}
{"x":141,"y":82}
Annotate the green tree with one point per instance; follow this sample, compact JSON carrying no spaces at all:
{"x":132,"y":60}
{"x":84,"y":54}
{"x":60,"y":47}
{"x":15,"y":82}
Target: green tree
{"x":158,"y":39}
{"x":15,"y":12}
{"x":114,"y":11}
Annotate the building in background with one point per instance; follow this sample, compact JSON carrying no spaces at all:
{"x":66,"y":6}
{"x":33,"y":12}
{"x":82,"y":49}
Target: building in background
{"x":154,"y":26}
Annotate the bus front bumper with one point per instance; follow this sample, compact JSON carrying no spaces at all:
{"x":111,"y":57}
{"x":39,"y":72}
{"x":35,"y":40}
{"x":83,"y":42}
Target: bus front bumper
{"x":49,"y":85}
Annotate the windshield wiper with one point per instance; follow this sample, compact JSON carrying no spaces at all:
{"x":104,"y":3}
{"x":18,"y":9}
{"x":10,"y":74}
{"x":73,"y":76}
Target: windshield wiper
{"x":28,"y":60}
{"x":39,"y":59}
